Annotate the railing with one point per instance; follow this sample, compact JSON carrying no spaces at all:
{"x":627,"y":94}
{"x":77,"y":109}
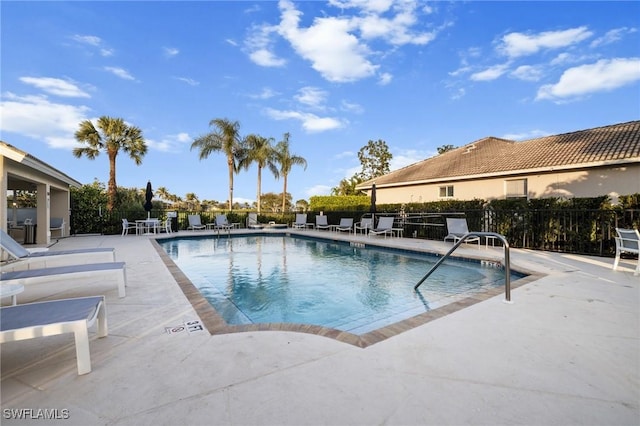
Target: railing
{"x":507,"y":262}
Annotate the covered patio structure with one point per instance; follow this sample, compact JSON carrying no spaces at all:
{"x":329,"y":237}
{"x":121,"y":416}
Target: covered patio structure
{"x":22,"y":171}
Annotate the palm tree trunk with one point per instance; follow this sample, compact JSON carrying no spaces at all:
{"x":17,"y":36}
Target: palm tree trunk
{"x":284,"y":194}
{"x":111,"y":187}
{"x":259,"y":195}
{"x":230,"y":163}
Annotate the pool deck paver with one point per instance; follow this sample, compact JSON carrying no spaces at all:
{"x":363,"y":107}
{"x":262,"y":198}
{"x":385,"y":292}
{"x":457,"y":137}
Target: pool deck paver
{"x":565,"y":352}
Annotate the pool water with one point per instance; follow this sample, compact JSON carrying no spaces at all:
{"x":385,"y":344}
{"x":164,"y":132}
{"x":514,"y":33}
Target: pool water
{"x":287,"y":279}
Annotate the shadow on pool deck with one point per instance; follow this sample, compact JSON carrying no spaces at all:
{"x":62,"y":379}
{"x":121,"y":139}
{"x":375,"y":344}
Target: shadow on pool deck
{"x":567,"y":351}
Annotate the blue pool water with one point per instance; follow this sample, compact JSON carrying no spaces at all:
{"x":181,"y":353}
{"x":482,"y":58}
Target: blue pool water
{"x":278,"y":278}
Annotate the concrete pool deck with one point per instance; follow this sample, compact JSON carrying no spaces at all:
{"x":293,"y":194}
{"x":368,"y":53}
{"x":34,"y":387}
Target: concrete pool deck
{"x":565,"y":352}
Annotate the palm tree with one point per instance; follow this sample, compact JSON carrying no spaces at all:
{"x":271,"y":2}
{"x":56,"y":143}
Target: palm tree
{"x":164,"y":194}
{"x":225,"y":138}
{"x":286,"y":161}
{"x":112,"y":135}
{"x":192,"y":201}
{"x":258,"y":149}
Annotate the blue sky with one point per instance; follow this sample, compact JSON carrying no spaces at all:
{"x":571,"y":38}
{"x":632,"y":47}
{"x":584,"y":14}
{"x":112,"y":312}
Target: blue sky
{"x":334,"y":74}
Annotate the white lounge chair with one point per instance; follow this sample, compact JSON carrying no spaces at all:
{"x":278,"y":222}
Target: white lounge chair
{"x":222,"y":223}
{"x":126,"y":226}
{"x":252,"y":221}
{"x":627,"y":241}
{"x":346,"y":224}
{"x":364,"y":225}
{"x":26,"y":259}
{"x":301,"y":221}
{"x":385,"y":227}
{"x":62,"y":273}
{"x":321,"y":222}
{"x":54,"y":317}
{"x":195,"y":222}
{"x":457,"y":228}
{"x":57,"y":224}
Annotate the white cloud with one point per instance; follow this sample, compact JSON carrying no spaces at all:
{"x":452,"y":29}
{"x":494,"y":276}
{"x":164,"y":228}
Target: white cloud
{"x":351,"y":107}
{"x":56,"y":86}
{"x":259,"y":45}
{"x":612,"y":36}
{"x":518,"y":44}
{"x":532,"y":134}
{"x":170,"y":143}
{"x":120,"y":72}
{"x":318,"y":190}
{"x":170,"y":52}
{"x":266,"y":93}
{"x":527,"y":73}
{"x":406,"y":157}
{"x":490,"y":73}
{"x":93,"y":41}
{"x":189,"y":81}
{"x":310,"y":122}
{"x":345,"y":154}
{"x":311,"y":96}
{"x":336,"y":45}
{"x":385,"y":78}
{"x":41,"y":119}
{"x":604,"y":75}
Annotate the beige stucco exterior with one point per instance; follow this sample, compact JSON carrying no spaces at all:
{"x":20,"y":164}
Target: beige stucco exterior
{"x":21,"y":171}
{"x":612,"y":180}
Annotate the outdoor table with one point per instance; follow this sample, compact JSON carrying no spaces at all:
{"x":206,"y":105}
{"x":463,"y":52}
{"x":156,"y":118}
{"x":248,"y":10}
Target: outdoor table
{"x":147,"y":226}
{"x":12,"y":290}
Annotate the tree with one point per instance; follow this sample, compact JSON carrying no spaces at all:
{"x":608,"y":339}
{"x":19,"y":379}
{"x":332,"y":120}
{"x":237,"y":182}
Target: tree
{"x":286,"y":162}
{"x":225,"y":139}
{"x":444,"y":148}
{"x":347,"y":186}
{"x":192,"y":201}
{"x":258,"y":149}
{"x":375,"y":158}
{"x":112,"y":135}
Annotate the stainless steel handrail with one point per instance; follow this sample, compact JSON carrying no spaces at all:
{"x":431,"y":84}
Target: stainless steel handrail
{"x":507,"y":263}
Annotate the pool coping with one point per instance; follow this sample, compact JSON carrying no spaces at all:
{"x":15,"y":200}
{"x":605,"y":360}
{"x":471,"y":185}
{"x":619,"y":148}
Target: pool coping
{"x":215,"y":324}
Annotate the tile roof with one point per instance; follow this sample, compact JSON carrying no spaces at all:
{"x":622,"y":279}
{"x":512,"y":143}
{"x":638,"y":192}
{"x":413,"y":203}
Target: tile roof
{"x":618,"y":143}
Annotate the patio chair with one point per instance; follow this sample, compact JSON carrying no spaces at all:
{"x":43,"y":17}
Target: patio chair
{"x":385,"y":227}
{"x":126,"y":225}
{"x":457,"y":228}
{"x":627,"y":241}
{"x":364,"y":225}
{"x":166,"y":225}
{"x":321,"y":222}
{"x":57,"y":224}
{"x":63,"y":273}
{"x":252,"y":221}
{"x":26,"y":259}
{"x":222,"y":223}
{"x":53,"y":317}
{"x":195,"y":222}
{"x":346,"y":224}
{"x":301,"y":221}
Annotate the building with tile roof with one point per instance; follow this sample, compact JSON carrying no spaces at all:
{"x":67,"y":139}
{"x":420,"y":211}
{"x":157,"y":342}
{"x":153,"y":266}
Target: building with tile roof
{"x":587,"y":163}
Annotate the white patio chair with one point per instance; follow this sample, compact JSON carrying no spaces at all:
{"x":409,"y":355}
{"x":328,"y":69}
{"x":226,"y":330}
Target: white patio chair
{"x":364,"y":225}
{"x":346,"y":224}
{"x":25,"y":259}
{"x":457,"y":228}
{"x":115,"y":270}
{"x":301,"y":221}
{"x":321,"y":222}
{"x":195,"y":222}
{"x":126,"y":225}
{"x":627,"y":241}
{"x":385,"y":227}
{"x":57,"y":224}
{"x":53,"y":317}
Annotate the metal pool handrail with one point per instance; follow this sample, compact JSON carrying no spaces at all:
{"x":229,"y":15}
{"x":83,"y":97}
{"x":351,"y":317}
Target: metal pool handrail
{"x":507,"y":263}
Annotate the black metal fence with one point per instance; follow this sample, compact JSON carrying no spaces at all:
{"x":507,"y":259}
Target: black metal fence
{"x":579,"y":231}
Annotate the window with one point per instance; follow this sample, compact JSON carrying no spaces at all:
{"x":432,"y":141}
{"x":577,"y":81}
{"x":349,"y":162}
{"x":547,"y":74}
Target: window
{"x":446,"y":191}
{"x":516,"y":188}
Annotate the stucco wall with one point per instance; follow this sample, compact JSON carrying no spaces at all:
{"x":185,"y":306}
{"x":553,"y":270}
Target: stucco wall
{"x":612,"y":181}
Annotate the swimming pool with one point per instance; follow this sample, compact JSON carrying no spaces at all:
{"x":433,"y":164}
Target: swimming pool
{"x":257,"y":279}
